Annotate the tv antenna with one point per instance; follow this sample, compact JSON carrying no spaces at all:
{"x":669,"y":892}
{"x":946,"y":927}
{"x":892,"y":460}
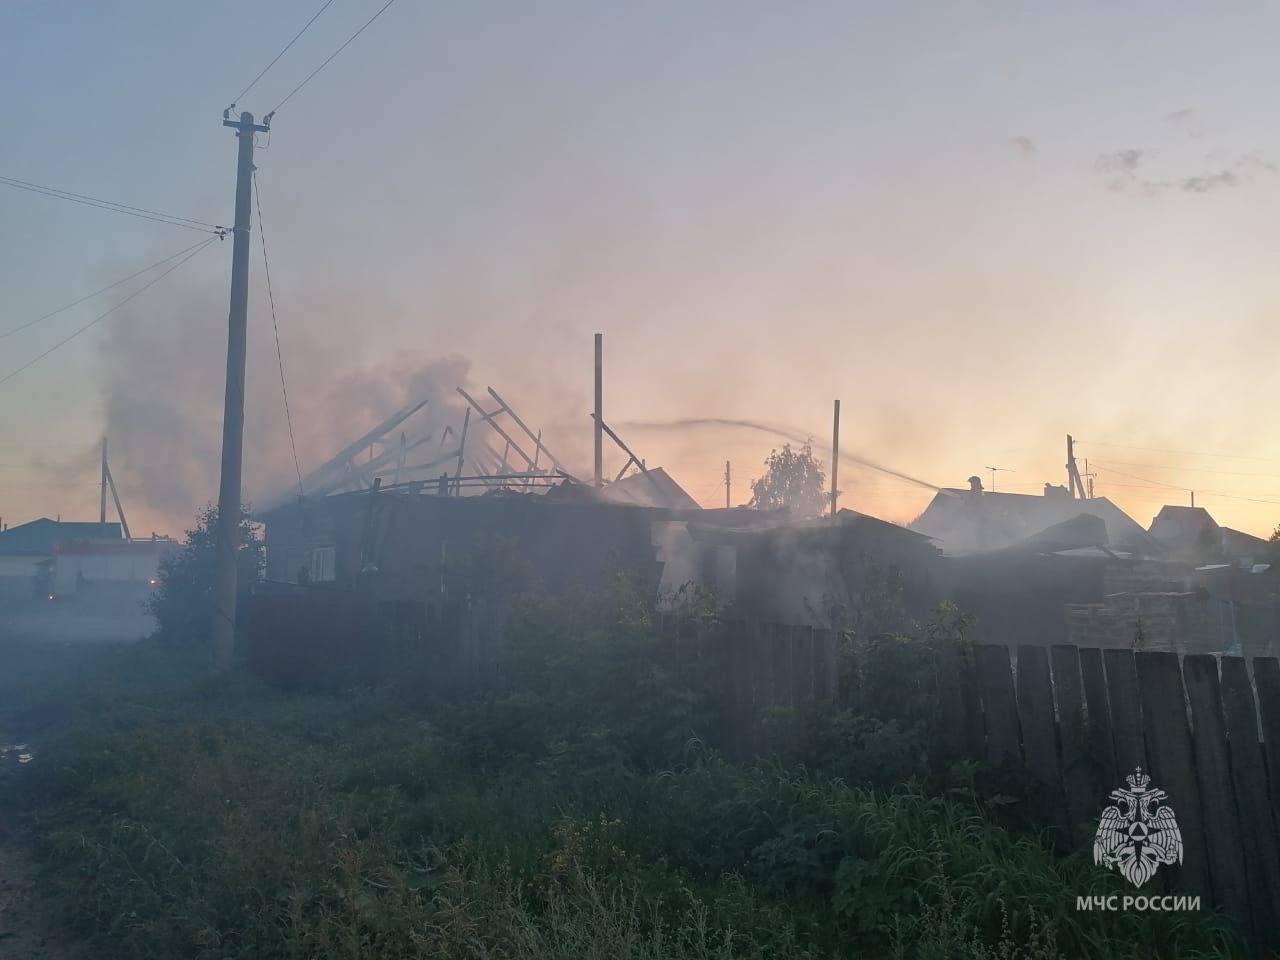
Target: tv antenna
{"x":994,"y":471}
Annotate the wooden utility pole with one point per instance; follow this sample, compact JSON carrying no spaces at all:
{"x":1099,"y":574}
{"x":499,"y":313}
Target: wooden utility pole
{"x":835,"y":459}
{"x":223,"y":627}
{"x":102,"y":498}
{"x":726,"y":485}
{"x":599,"y":416}
{"x":462,"y":449}
{"x":1074,"y":482}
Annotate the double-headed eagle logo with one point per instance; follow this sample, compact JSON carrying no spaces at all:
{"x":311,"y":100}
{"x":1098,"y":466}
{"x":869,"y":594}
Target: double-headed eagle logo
{"x":1139,"y":832}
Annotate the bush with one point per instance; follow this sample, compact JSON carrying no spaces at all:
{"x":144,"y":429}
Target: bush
{"x":183,"y":601}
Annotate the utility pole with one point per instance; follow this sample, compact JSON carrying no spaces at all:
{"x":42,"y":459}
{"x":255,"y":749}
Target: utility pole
{"x":1073,"y":472}
{"x":599,"y":474}
{"x":223,"y":628}
{"x":726,"y":485}
{"x":835,"y":459}
{"x":102,"y":499}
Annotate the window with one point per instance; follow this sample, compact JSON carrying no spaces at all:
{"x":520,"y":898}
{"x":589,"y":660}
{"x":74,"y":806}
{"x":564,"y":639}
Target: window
{"x":322,"y":559}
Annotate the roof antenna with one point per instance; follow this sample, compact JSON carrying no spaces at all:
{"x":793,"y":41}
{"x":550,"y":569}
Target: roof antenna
{"x":994,"y":470}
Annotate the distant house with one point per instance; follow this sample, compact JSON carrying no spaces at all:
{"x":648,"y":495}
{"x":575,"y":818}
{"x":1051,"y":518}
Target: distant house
{"x":977,"y":521}
{"x":1191,"y":533}
{"x":110,"y":566}
{"x":27,"y":553}
{"x":810,"y":571}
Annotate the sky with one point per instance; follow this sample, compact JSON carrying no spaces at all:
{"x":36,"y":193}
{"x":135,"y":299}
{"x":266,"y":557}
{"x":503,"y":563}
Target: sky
{"x":980,"y":226}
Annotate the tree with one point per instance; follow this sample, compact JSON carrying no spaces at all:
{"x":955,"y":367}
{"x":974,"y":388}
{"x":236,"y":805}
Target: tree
{"x":183,"y":602}
{"x":1275,"y":534}
{"x":794,"y":480}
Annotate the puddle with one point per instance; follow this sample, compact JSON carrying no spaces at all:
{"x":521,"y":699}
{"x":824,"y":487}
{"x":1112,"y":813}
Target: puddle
{"x":17,"y":751}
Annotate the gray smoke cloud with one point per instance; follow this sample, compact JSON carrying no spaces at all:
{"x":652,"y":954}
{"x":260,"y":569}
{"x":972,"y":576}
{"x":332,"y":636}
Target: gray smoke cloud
{"x":162,"y":392}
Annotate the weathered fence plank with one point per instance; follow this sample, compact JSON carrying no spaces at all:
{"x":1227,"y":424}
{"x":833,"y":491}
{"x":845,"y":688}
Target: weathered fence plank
{"x":1217,"y":798}
{"x":949,"y":742}
{"x":1081,"y":788}
{"x":741,"y":711}
{"x":1039,"y":738}
{"x":824,"y":663}
{"x":974,"y":730}
{"x":761,"y":654}
{"x":1099,"y":732}
{"x":802,"y":665}
{"x":1249,"y":777}
{"x":1266,"y":675}
{"x":1000,"y":710}
{"x":782,"y":687}
{"x":1172,"y":765}
{"x":1126,"y":713}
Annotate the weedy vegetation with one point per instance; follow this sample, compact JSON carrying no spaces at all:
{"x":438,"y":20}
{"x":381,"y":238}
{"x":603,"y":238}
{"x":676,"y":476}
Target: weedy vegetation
{"x":581,"y":810}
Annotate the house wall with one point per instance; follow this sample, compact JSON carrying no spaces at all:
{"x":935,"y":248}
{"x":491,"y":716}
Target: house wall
{"x":422,"y":546}
{"x":71,"y":569}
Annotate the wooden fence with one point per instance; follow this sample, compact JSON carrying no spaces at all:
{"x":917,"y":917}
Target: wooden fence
{"x":1079,"y":720}
{"x":1206,"y":728}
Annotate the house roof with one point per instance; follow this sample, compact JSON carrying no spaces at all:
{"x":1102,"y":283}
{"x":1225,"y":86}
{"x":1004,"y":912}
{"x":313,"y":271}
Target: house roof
{"x":965,"y":521}
{"x":1182,"y":525}
{"x":43,"y":536}
{"x":652,"y":489}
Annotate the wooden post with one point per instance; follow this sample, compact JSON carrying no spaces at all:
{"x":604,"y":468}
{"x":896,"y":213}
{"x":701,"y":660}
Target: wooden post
{"x":462,"y":449}
{"x":599,"y":416}
{"x":835,"y":460}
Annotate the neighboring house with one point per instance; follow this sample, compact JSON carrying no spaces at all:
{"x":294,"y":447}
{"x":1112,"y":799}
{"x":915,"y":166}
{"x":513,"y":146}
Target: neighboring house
{"x":814,"y":571}
{"x":976,"y":521}
{"x":1192,"y":534}
{"x":27,"y":553}
{"x":84,"y":565}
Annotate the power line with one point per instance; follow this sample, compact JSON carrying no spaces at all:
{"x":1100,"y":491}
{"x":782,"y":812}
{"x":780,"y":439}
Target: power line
{"x":90,"y":296}
{"x":102,"y":316}
{"x":271,"y":298}
{"x":1158,"y":483}
{"x":1170,"y":486}
{"x":1165,"y":466}
{"x":380,"y":12}
{"x":1185,"y":453}
{"x":304,"y":29}
{"x":200,"y":226}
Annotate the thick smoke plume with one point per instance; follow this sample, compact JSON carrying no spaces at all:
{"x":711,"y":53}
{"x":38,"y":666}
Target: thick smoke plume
{"x":162,"y":395}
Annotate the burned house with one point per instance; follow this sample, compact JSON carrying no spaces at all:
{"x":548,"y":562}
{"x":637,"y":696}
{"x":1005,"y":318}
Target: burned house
{"x":417,"y":545}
